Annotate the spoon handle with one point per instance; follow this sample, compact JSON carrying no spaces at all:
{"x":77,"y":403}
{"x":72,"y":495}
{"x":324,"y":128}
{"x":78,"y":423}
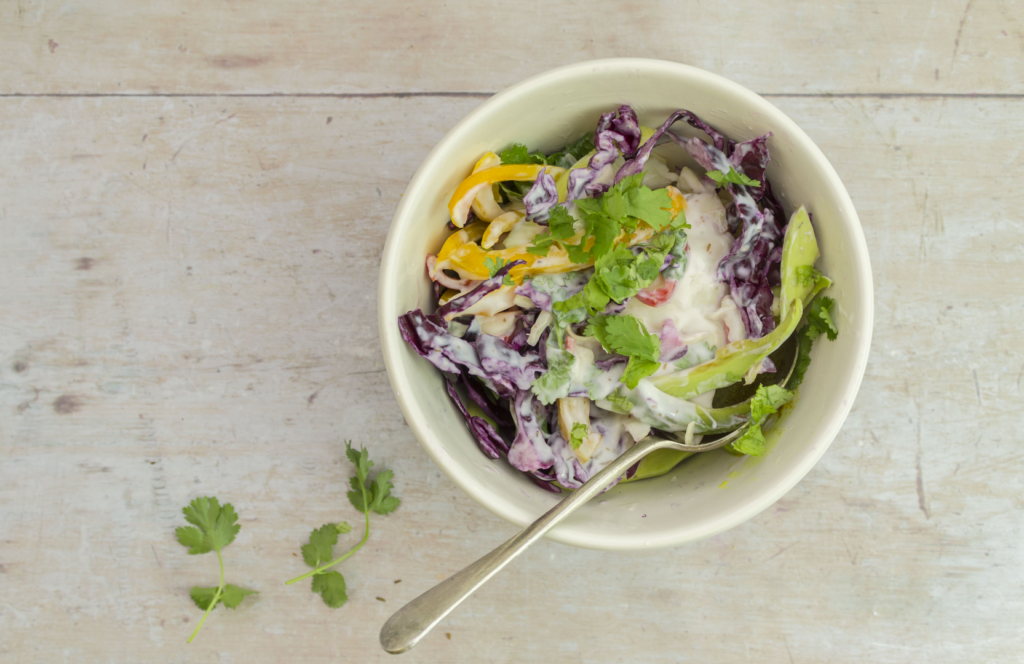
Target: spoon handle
{"x":414,"y":620}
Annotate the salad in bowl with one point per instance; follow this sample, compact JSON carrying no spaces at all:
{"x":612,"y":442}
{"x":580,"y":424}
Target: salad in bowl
{"x":597,"y":295}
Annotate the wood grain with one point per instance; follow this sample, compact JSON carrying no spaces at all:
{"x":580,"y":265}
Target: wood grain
{"x":320,"y":47}
{"x":189,"y":300}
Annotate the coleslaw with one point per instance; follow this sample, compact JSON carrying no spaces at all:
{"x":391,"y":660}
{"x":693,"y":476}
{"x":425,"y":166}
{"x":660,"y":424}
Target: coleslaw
{"x":590,"y":297}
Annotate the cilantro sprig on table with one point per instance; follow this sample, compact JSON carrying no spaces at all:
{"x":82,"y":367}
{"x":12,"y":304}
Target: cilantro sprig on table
{"x":367,"y":495}
{"x":213,"y":527}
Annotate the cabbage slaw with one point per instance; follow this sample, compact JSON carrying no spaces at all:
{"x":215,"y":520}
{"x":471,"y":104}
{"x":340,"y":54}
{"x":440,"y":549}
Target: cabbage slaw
{"x":594,"y":295}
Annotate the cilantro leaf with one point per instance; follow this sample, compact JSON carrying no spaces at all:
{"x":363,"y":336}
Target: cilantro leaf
{"x":216,"y":526}
{"x":518,"y":153}
{"x":493,"y":265}
{"x":560,"y":223}
{"x":653,"y":206}
{"x":572,"y":153}
{"x":806,"y":275}
{"x":203,"y":596}
{"x":383,"y":502}
{"x":360,"y":459}
{"x":541,"y":244}
{"x":569,"y":311}
{"x":578,"y":253}
{"x":732,"y":177}
{"x":752,"y":442}
{"x":803,"y":360}
{"x":620,"y":401}
{"x":679,"y":221}
{"x":321,"y":545}
{"x":604,"y":230}
{"x":580,"y":432}
{"x":331,"y":587}
{"x":355,"y":495}
{"x":819,"y":317}
{"x":768,"y":400}
{"x":231,"y":596}
{"x":554,"y":384}
{"x":638,"y":368}
{"x":595,"y":298}
{"x":625,"y":335}
{"x":560,"y":227}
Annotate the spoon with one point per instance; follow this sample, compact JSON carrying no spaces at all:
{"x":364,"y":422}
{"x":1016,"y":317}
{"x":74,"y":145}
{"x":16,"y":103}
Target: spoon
{"x":413,"y":621}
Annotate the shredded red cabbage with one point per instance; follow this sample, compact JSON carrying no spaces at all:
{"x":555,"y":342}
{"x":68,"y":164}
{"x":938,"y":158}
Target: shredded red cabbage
{"x":490,"y":441}
{"x":530,"y":450}
{"x":543,"y":196}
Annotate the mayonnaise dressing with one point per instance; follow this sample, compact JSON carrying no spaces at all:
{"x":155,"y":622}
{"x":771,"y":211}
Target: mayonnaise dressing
{"x":698,"y":294}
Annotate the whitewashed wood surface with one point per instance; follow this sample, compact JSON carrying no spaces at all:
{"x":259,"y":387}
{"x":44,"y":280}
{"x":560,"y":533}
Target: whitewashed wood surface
{"x":193,"y":201}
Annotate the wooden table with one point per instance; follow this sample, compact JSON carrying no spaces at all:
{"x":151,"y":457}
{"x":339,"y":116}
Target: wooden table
{"x":193,"y":201}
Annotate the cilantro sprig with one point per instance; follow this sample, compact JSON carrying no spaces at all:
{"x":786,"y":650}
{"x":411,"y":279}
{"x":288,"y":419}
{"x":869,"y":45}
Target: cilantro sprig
{"x":767,"y":401}
{"x":626,"y":335}
{"x":554,"y":383}
{"x":819,"y":321}
{"x":367,"y":495}
{"x":580,"y":432}
{"x":214,"y":526}
{"x":517,"y":153}
{"x":770,"y":399}
{"x":560,"y":227}
{"x":732,"y":177}
{"x":494,"y":265}
{"x":819,"y":318}
{"x":621,"y":208}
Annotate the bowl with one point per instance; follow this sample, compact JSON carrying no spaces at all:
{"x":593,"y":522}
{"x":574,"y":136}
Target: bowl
{"x":708,"y":493}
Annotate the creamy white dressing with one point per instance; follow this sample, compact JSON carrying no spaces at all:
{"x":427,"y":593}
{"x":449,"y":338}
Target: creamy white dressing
{"x":698,"y":294}
{"x":489,"y":305}
{"x":657,"y":174}
{"x":498,"y":325}
{"x":615,"y":438}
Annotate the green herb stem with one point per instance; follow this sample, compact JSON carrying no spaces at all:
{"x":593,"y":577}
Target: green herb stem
{"x":213,"y":602}
{"x":366,"y":535}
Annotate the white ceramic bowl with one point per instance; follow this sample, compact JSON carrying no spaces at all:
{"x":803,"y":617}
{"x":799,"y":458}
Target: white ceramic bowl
{"x":689,"y":503}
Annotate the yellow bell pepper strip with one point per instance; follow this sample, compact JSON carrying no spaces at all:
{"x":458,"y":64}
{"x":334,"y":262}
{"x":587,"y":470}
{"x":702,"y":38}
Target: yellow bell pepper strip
{"x":470,"y":233}
{"x":731,"y":362}
{"x":678,"y":200}
{"x":484,"y":204}
{"x":489,"y":305}
{"x":499,"y":226}
{"x":462,"y":200}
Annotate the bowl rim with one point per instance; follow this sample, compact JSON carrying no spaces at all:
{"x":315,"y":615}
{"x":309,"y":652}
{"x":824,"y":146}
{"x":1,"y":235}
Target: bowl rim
{"x":428,"y":439}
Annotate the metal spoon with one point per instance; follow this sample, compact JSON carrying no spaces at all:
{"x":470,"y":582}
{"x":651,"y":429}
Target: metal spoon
{"x":413,"y":621}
